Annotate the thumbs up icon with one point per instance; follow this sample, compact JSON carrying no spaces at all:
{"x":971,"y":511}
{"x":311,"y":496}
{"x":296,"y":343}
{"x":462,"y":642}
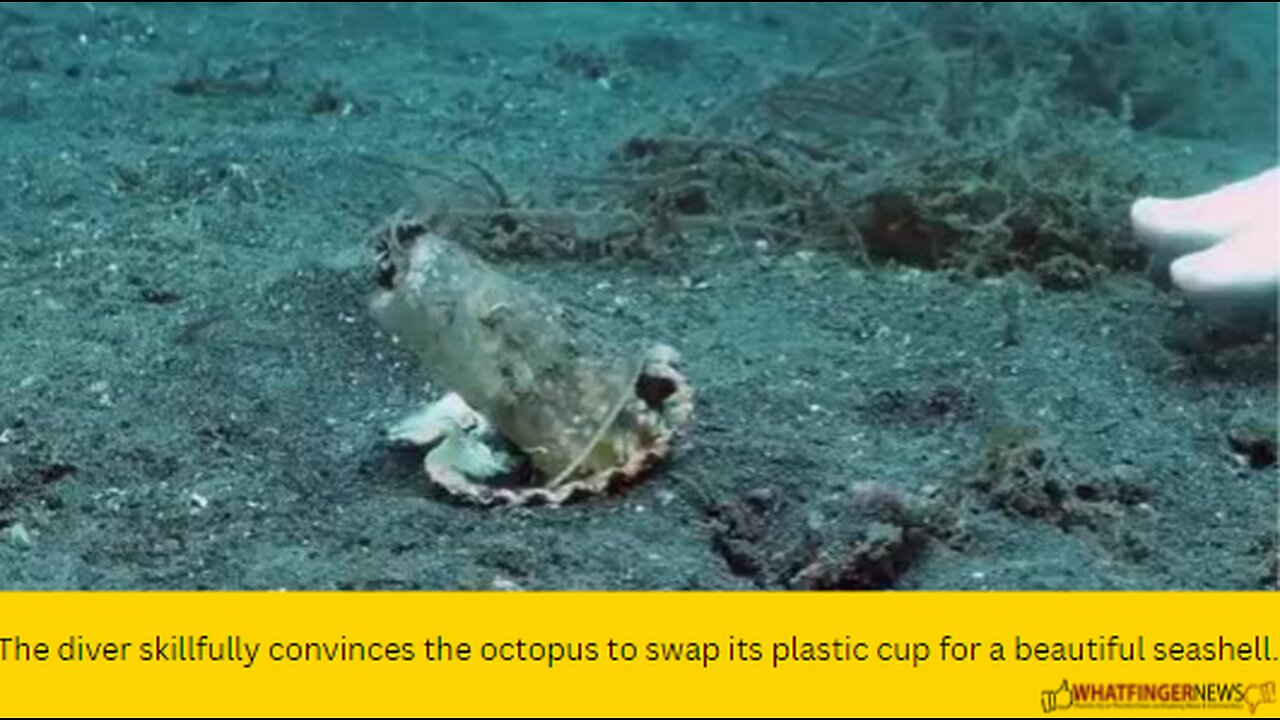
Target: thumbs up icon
{"x":1060,"y":699}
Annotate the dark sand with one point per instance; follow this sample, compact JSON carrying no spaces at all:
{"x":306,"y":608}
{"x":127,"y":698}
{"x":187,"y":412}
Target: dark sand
{"x":192,"y":393}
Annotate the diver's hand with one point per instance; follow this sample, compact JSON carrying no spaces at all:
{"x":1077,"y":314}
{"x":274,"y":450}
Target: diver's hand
{"x":1222,"y":248}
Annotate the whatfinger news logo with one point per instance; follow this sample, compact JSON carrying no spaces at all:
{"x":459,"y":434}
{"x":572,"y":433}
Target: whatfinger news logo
{"x":1157,"y":696}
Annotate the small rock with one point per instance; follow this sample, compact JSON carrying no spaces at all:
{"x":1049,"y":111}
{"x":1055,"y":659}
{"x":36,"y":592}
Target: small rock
{"x":197,"y":501}
{"x":1252,"y":437}
{"x":19,"y":535}
{"x":506,"y":585}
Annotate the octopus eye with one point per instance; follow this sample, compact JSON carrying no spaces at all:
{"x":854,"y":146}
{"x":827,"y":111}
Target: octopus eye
{"x":408,"y":233}
{"x":386,"y":271}
{"x":654,"y":390}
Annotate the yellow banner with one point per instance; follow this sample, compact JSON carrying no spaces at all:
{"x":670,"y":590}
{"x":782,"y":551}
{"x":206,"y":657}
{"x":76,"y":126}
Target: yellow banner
{"x":646,"y":654}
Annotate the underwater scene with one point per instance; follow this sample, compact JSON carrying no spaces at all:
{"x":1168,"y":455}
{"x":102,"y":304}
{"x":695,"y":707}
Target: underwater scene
{"x":628,"y":296}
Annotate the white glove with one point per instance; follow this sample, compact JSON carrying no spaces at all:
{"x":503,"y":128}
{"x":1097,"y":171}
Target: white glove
{"x":1226,"y":243}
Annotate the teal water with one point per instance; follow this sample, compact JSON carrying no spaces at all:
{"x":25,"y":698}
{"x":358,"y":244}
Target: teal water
{"x":889,"y":240}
